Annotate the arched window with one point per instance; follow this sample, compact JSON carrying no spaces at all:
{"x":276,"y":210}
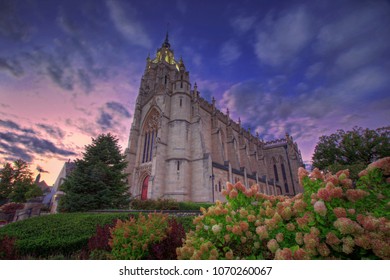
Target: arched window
{"x":150,"y":132}
{"x":276,"y":173}
{"x":284,"y":178}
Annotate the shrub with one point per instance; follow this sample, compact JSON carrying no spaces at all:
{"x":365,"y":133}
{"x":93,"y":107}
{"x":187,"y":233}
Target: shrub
{"x":187,"y":205}
{"x":59,"y":234}
{"x":131,"y":240}
{"x":7,"y":248}
{"x":98,"y":247}
{"x":11,"y":207}
{"x":151,"y":204}
{"x":330,"y":220}
{"x":166,"y":249}
{"x":9,"y":210}
{"x":167,"y":204}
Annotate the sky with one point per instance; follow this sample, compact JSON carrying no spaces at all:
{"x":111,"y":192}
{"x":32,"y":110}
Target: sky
{"x":70,"y":70}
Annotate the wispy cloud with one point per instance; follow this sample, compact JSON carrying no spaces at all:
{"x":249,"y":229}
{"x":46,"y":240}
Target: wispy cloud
{"x":12,"y":125}
{"x":118,"y":108}
{"x":229,"y":52}
{"x":12,"y":66}
{"x":11,"y":25}
{"x":53,"y":131}
{"x":282,"y":36}
{"x":27,"y":146}
{"x":181,"y":6}
{"x":242,"y":24}
{"x":127,"y":24}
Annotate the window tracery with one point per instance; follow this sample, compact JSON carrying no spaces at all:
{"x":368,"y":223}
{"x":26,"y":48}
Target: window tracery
{"x":150,"y":133}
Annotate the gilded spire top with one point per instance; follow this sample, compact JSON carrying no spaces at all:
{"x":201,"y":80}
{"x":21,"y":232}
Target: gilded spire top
{"x":166,"y":42}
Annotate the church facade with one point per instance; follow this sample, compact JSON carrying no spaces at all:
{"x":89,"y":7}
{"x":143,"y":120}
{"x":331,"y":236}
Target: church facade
{"x":183,"y":147}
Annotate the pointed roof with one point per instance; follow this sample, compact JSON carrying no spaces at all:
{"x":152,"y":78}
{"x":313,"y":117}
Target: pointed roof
{"x":166,"y":42}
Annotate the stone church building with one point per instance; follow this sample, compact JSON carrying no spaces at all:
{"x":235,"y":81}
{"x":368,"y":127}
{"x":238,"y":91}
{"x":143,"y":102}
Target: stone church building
{"x":183,"y":147}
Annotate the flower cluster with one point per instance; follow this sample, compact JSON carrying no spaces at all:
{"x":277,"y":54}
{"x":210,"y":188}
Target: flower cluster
{"x":132,"y":239}
{"x":334,"y":218}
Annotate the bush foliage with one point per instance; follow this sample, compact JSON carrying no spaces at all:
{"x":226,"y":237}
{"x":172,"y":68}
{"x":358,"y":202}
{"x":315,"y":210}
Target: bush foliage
{"x":330,"y":220}
{"x":60,"y":234}
{"x":131,"y":240}
{"x":166,"y":204}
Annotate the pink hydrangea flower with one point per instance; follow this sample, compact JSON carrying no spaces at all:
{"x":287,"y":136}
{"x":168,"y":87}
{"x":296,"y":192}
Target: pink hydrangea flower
{"x":284,"y":254}
{"x":272,"y":245}
{"x":383,"y":164}
{"x":286,"y":213}
{"x":363,"y":241}
{"x":229,"y":186}
{"x":316,"y":174}
{"x":299,"y":206}
{"x":299,"y":238}
{"x":239,"y":186}
{"x":237,"y":230}
{"x":323,"y":250}
{"x":233,"y":193}
{"x":324,"y":194}
{"x":244,"y":226}
{"x":347,"y":226}
{"x":301,"y":254}
{"x":336,"y":192}
{"x":251,"y":218}
{"x":340,"y":212}
{"x":279,"y":237}
{"x":354,"y":195}
{"x":348,"y":244}
{"x":262,"y":232}
{"x":302,"y":222}
{"x":290,"y":227}
{"x":216,"y":229}
{"x":332,"y":239}
{"x":320,"y":208}
{"x":302,"y":173}
{"x":311,"y":240}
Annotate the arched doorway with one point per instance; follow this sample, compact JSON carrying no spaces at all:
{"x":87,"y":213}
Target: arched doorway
{"x":144,"y":191}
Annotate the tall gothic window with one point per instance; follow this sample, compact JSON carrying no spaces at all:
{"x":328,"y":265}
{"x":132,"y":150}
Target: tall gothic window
{"x":284,"y":178}
{"x":150,"y":132}
{"x":276,"y":173}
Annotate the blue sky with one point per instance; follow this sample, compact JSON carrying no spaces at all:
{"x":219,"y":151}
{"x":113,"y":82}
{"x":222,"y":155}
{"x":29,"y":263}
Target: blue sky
{"x":70,"y":70}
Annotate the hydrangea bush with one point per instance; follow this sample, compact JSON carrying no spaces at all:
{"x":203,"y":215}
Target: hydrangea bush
{"x":334,"y":218}
{"x":131,"y":240}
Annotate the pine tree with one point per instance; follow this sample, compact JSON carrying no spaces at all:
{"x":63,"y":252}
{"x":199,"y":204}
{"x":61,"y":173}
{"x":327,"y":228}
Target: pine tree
{"x":98,"y":180}
{"x":17,"y":183}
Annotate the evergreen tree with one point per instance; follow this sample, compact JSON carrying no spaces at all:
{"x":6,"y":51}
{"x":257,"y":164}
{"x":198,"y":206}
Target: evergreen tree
{"x":98,"y":180}
{"x":17,"y":183}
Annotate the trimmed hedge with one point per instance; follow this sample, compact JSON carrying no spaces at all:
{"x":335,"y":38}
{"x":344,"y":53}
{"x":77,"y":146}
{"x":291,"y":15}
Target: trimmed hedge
{"x":60,"y":234}
{"x":63,"y":235}
{"x":167,"y":204}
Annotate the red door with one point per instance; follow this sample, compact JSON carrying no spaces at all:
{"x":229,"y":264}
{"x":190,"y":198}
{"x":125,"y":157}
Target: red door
{"x":144,"y":193}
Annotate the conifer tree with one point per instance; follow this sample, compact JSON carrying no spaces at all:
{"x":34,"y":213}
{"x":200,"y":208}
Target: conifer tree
{"x":98,"y":180}
{"x":17,"y":183}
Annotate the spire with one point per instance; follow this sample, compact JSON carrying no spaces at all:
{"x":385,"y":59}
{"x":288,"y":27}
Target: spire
{"x":166,"y":42}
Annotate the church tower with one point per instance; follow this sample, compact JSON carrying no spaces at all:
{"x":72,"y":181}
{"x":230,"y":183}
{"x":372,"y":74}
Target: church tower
{"x":182,"y":147}
{"x":165,"y":144}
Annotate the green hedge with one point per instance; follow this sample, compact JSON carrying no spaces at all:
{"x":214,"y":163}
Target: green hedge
{"x":59,"y":234}
{"x":167,"y":204}
{"x":63,"y":235}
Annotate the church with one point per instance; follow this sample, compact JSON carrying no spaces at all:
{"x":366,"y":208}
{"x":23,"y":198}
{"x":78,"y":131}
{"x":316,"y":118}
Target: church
{"x":184,"y":148}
